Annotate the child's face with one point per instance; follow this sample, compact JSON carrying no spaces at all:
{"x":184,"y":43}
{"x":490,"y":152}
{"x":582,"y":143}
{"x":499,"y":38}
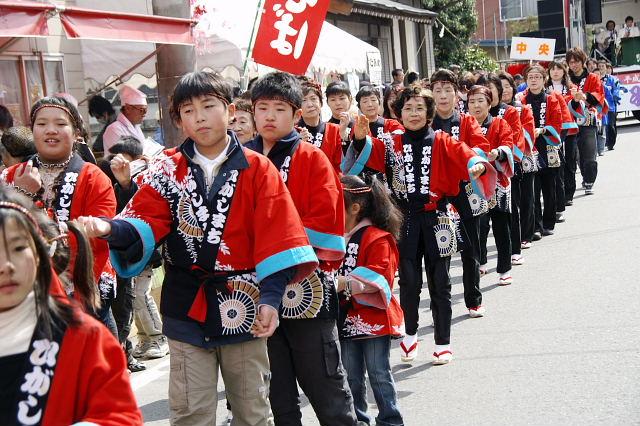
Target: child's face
{"x":370,"y":105}
{"x":243,"y":126}
{"x":274,"y":119}
{"x":414,"y":113}
{"x":602,"y":68}
{"x":444,"y":94}
{"x":17,"y":265}
{"x":53,"y":134}
{"x":339,"y":103}
{"x":205,"y":119}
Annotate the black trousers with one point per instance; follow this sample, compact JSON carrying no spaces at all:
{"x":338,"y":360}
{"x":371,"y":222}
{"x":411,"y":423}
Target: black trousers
{"x":471,"y":263}
{"x":560,"y":207}
{"x":501,"y":222}
{"x":122,"y":308}
{"x":569,"y":167}
{"x":308,"y":351}
{"x":612,"y":129}
{"x":545,"y":185}
{"x":527,"y":214}
{"x":514,"y":231}
{"x":438,"y":283}
{"x":588,"y":150}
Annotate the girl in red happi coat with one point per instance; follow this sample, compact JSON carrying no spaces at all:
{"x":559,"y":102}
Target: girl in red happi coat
{"x":370,"y":314}
{"x":66,"y":186}
{"x":59,"y":365}
{"x":500,"y":136}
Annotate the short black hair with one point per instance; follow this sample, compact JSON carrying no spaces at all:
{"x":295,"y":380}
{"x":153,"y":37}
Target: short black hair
{"x":444,"y":76}
{"x":18,"y":142}
{"x":54,"y":101}
{"x":396,"y":72}
{"x":98,"y":106}
{"x":628,"y":18}
{"x":494,"y":78}
{"x":278,"y":86}
{"x":6,"y":119}
{"x":367,"y":91}
{"x":416,"y":92}
{"x":337,"y":88}
{"x":509,"y":79}
{"x":127,"y":145}
{"x":197,"y":84}
{"x":412,"y":77}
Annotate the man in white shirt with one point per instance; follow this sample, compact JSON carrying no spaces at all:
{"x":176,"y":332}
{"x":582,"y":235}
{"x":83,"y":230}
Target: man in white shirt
{"x":132,"y":112}
{"x":629,"y":29}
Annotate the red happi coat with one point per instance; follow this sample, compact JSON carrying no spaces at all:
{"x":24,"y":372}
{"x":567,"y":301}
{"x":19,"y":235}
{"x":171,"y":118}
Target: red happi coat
{"x":528,"y":129}
{"x":589,"y":84}
{"x":568,"y":120}
{"x":511,"y":115}
{"x":500,"y":137}
{"x":330,"y":142}
{"x":470,"y":133}
{"x":376,"y":313}
{"x":548,"y":143}
{"x":93,"y":196}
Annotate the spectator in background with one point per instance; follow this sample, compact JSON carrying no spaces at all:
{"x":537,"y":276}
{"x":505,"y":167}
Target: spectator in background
{"x":18,"y":145}
{"x":607,"y":40}
{"x":390,"y":96}
{"x":102,"y":110}
{"x":592,"y":65}
{"x":614,"y":96}
{"x":521,"y":85}
{"x":243,"y":123}
{"x":134,"y":108}
{"x":398,"y":77}
{"x":629,"y":29}
{"x":412,"y":77}
{"x":455,"y":69}
{"x":6,"y":120}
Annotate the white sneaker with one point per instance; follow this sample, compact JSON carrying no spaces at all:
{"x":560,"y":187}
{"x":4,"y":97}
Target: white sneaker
{"x":157,"y":348}
{"x":442,"y":355}
{"x":483,"y":269}
{"x":477,"y":312}
{"x":517,"y":259}
{"x":141,"y":348}
{"x":409,"y":348}
{"x":525,"y":245}
{"x":505,"y":279}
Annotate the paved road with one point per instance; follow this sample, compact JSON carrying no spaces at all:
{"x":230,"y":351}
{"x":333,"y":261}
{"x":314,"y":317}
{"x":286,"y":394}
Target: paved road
{"x":559,"y":346}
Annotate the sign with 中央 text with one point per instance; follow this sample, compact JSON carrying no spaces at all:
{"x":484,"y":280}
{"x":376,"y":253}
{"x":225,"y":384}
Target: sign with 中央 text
{"x":537,"y":49}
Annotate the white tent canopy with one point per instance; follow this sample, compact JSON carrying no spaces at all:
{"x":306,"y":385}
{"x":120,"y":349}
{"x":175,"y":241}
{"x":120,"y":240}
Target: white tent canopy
{"x":225,"y":32}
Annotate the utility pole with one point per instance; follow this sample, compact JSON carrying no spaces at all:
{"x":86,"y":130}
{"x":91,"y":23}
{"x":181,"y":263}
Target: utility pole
{"x":172,"y":62}
{"x":495,"y":37}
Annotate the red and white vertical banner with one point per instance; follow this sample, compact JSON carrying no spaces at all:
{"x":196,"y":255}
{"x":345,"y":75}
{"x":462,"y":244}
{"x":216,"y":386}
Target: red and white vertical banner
{"x":288,"y":33}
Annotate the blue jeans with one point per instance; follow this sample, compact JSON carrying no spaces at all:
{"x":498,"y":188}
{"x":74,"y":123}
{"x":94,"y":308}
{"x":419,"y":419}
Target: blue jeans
{"x":372,"y":354}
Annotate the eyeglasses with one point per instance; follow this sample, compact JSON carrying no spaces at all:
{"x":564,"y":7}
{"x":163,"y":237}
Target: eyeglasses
{"x":140,"y":109}
{"x":535,"y":77}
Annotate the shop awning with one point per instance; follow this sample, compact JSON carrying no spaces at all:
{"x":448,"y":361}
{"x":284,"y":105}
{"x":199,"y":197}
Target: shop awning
{"x":29,"y":19}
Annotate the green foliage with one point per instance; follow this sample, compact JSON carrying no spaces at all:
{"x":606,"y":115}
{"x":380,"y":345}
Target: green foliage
{"x":474,"y":58}
{"x":460,"y":19}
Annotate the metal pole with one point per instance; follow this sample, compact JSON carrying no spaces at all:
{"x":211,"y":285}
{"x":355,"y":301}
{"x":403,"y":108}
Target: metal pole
{"x":495,"y":36}
{"x":173,"y":62}
{"x":245,"y":80}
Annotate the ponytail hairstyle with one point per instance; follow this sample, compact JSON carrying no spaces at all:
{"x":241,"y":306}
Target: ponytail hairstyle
{"x":61,"y":237}
{"x":49,"y":309}
{"x":375,"y":203}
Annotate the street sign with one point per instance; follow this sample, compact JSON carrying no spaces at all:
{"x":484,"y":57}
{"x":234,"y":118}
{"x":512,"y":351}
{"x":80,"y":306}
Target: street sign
{"x":538,"y":49}
{"x":374,"y":65}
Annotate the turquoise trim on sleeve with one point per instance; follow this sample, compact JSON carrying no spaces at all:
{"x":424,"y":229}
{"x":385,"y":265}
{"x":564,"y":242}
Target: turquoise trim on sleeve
{"x":517,"y":152}
{"x":527,"y":137}
{"x":285,"y":259}
{"x":367,"y":275}
{"x":362,"y":159}
{"x":480,"y":152}
{"x":474,"y":182}
{"x":569,"y":126}
{"x":509,"y":155}
{"x":575,"y":113}
{"x":129,"y":270}
{"x":554,"y":133}
{"x":326,"y":241}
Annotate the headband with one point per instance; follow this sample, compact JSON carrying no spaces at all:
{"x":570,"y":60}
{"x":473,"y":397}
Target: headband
{"x":312,"y":84}
{"x":360,"y":190}
{"x":64,"y":108}
{"x":222,"y":98}
{"x":276,"y":98}
{"x":24,"y":211}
